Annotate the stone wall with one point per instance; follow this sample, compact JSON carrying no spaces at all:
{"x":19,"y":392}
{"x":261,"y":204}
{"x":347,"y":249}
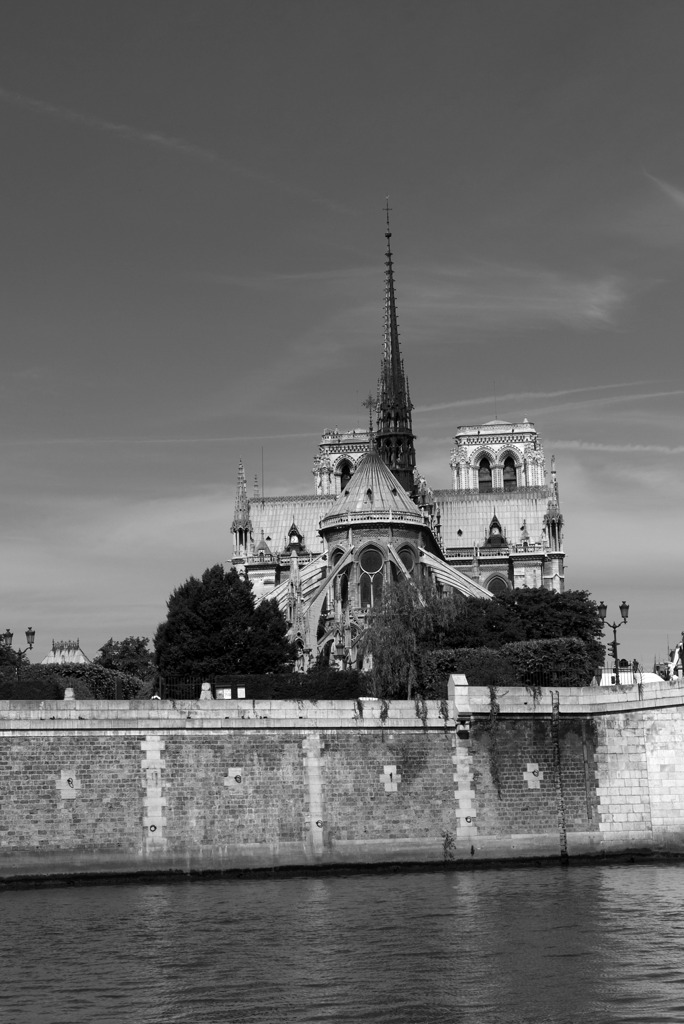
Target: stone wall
{"x":107,"y":787}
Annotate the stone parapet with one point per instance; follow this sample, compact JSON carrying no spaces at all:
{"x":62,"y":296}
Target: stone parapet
{"x":190,"y":715}
{"x":111,"y":787}
{"x":584,"y":700}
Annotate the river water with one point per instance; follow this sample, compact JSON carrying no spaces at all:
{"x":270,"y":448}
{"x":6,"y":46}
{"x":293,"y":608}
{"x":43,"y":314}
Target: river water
{"x":533,"y":945}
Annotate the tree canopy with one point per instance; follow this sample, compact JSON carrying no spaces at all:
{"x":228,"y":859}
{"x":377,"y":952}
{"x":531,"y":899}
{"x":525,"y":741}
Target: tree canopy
{"x":213,"y":628}
{"x":413,"y":623}
{"x":525,"y":614}
{"x":131,"y":655}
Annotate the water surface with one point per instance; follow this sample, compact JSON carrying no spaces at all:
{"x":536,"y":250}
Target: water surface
{"x":537,"y":945}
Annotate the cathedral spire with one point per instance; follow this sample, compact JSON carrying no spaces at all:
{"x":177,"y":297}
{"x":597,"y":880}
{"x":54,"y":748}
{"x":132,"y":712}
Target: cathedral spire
{"x":241,"y":516}
{"x":394,"y":435}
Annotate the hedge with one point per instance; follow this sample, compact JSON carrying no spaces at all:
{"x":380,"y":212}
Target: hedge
{"x":89,"y":682}
{"x":533,"y":663}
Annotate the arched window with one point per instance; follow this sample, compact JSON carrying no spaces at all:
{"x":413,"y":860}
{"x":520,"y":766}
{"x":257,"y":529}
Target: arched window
{"x":371,"y":564}
{"x":345,"y":471}
{"x":341,"y":584}
{"x":497,"y":585}
{"x":408,"y":559}
{"x":510,"y":478}
{"x":344,"y":587}
{"x":484,"y":475}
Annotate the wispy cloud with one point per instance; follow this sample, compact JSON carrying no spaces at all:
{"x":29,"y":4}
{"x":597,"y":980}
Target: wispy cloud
{"x":515,"y":396}
{"x":650,"y":218}
{"x":601,"y":446}
{"x":439,"y":300}
{"x":168,"y":142}
{"x":675,"y":194}
{"x":345,"y":278}
{"x":599,"y":403}
{"x":95,"y":441}
{"x":487,"y":296}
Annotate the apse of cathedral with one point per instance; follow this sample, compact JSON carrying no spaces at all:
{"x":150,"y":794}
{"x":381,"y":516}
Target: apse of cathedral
{"x":373,"y":519}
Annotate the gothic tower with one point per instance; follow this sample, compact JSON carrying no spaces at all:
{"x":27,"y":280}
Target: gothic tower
{"x":242,"y":525}
{"x":394,"y":437}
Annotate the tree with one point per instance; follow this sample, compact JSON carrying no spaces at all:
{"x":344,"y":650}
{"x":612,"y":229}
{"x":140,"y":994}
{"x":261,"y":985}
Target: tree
{"x":213,"y":628}
{"x":8,"y":666}
{"x":412,"y":633}
{"x":548,"y":615}
{"x":526,"y":614}
{"x":410,"y":617}
{"x":131,"y":656}
{"x":390,"y":640}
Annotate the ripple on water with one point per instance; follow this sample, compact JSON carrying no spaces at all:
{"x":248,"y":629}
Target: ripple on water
{"x":515,"y":946}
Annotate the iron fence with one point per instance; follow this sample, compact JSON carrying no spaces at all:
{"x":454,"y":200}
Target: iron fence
{"x":183,"y":687}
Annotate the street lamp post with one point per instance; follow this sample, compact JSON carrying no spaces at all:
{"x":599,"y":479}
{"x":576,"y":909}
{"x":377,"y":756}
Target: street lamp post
{"x":624,"y":612}
{"x":7,"y":638}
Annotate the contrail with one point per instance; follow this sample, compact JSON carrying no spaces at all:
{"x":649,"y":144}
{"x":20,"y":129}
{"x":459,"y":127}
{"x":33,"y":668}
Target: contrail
{"x":169,"y":142}
{"x":517,"y":395}
{"x":598,"y":446}
{"x":675,"y":194}
{"x":15,"y":442}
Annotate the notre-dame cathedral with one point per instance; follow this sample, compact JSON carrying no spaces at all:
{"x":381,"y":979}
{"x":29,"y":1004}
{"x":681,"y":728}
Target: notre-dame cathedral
{"x":373,"y":519}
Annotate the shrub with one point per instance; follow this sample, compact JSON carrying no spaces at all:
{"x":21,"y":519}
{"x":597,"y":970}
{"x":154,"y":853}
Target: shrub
{"x":89,"y":682}
{"x":533,"y":663}
{"x":482,"y":666}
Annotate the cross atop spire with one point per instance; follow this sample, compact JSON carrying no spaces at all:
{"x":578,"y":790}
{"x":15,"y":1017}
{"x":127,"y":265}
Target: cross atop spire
{"x":394,"y":436}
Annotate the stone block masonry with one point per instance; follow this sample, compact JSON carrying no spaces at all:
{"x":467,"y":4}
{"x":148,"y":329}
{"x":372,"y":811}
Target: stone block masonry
{"x":110,"y":787}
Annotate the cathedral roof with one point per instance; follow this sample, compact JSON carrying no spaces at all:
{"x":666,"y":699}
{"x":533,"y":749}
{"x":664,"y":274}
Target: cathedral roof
{"x":373,"y":493}
{"x":262,"y":546}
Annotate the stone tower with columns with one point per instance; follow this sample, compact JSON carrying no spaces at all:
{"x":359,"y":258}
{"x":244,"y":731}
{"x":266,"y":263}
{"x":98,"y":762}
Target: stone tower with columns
{"x":501,"y":519}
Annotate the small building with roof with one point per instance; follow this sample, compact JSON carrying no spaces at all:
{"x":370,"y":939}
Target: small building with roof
{"x":66,"y":652}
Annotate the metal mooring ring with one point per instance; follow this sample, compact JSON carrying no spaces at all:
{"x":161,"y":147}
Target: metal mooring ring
{"x":536,"y":773}
{"x":319,"y":823}
{"x":153,"y":828}
{"x":238,"y":778}
{"x":469,"y":820}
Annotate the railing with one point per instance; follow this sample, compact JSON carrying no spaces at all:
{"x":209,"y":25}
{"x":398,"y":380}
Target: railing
{"x":184,"y":687}
{"x":625,"y":677}
{"x":391,"y":515}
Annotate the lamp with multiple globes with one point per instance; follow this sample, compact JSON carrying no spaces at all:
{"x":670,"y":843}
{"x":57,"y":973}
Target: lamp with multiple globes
{"x":624,"y":612}
{"x":7,"y":638}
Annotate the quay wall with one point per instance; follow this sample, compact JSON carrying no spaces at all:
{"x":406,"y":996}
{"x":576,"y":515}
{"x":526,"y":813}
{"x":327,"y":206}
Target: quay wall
{"x":107,"y":787}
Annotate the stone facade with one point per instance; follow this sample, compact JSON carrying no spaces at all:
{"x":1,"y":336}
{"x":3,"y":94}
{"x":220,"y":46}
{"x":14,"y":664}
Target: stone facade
{"x":501,"y":521}
{"x":115,"y":786}
{"x":499,"y":526}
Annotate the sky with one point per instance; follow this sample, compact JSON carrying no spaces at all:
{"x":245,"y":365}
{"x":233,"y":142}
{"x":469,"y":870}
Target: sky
{"x":192,"y":269}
